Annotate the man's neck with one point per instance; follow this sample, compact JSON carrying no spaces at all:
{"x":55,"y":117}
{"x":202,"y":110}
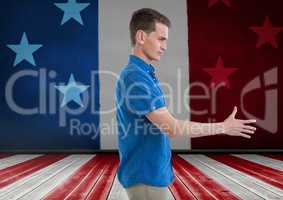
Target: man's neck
{"x":139,"y":53}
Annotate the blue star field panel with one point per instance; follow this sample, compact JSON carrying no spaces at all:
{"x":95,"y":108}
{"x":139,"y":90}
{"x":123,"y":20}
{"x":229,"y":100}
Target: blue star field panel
{"x":49,"y":84}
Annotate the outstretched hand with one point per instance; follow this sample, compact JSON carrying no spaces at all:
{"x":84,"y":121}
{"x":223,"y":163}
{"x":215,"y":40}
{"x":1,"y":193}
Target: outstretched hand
{"x":238,"y":127}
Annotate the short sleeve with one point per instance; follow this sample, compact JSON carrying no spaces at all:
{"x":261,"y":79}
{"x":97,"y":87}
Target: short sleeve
{"x":142,"y":94}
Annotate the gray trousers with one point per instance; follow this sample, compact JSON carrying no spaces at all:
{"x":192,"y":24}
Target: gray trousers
{"x":146,"y":192}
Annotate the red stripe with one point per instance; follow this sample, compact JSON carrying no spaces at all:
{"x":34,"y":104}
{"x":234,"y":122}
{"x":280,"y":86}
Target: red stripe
{"x":194,"y":186}
{"x":77,"y":179}
{"x":5,"y":155}
{"x":101,"y":189}
{"x":16,"y":172}
{"x":274,"y":156}
{"x":85,"y":187}
{"x":180,"y":191}
{"x":264,"y":173}
{"x":203,"y":187}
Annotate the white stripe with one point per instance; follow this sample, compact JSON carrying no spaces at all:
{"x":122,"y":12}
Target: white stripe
{"x":114,"y":48}
{"x":262,"y":160}
{"x":14,"y":186}
{"x":257,"y":186}
{"x":54,"y":180}
{"x":232,"y":186}
{"x":29,"y":183}
{"x":16,"y":159}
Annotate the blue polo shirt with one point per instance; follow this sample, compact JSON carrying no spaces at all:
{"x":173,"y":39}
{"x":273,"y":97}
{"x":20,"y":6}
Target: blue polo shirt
{"x":144,"y":151}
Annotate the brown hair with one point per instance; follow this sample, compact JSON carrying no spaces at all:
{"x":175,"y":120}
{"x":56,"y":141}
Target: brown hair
{"x":145,"y":19}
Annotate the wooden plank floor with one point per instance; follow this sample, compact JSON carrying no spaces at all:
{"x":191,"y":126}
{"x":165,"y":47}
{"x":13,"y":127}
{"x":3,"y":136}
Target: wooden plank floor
{"x":86,"y":176}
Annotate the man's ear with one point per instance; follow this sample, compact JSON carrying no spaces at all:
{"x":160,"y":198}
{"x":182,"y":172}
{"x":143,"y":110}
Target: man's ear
{"x":140,"y":37}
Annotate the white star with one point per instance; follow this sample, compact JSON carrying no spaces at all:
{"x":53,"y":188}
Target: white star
{"x":72,"y":9}
{"x":72,"y":92}
{"x":24,"y":50}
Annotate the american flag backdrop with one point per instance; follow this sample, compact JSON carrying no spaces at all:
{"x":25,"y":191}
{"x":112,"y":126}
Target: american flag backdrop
{"x":59,"y":60}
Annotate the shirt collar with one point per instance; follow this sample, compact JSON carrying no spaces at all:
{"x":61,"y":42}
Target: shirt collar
{"x":141,"y":63}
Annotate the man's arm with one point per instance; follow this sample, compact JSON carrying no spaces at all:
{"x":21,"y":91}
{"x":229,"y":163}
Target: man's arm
{"x":163,"y":119}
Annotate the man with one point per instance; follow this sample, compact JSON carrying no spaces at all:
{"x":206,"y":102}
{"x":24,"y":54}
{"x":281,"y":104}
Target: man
{"x":144,"y":123}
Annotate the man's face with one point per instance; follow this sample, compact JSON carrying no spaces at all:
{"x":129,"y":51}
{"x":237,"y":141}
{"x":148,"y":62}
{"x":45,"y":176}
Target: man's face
{"x":155,"y":42}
